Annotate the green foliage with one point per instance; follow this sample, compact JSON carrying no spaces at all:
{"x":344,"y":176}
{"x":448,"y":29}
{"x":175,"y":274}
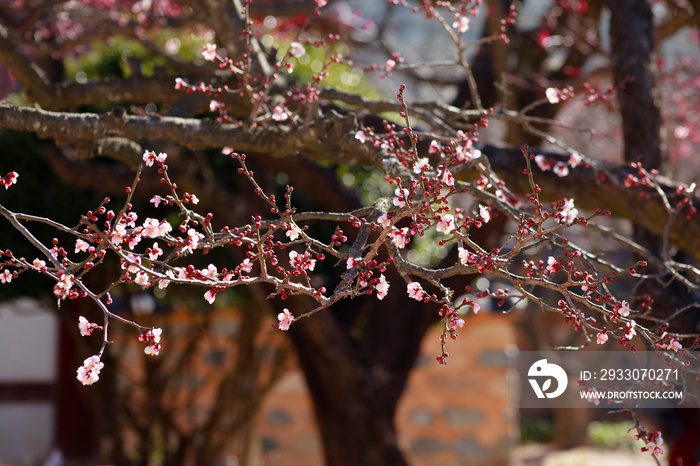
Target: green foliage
{"x":612,"y":434}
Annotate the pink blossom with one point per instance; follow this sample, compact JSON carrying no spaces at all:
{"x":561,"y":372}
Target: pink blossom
{"x":6,"y":276}
{"x":279,"y":114}
{"x":575,"y":159}
{"x":434,"y":147}
{"x":301,"y":261}
{"x":461,"y":23}
{"x":39,"y":264}
{"x":321,"y":3}
{"x":399,"y":237}
{"x":552,"y":95}
{"x":89,"y":372}
{"x":193,"y":239}
{"x":210,"y":272}
{"x":156,"y":200}
{"x":246,"y":266}
{"x":630,"y":330}
{"x":296,"y":50}
{"x":209,"y":52}
{"x":141,"y":279}
{"x":152,"y":349}
{"x":601,"y":338}
{"x":180,"y":84}
{"x":401,"y":197}
{"x":131,"y":263}
{"x":446,"y":224}
{"x":382,"y":287}
{"x":161,"y":157}
{"x":447,"y":178}
{"x":568,"y":213}
{"x":285,"y":318}
{"x":86,"y":327}
{"x":415,"y":291}
{"x":293,"y":231}
{"x":351,"y":262}
{"x":384,"y":220}
{"x":484,"y":213}
{"x":476,"y":307}
{"x":361,"y":136}
{"x":210,"y":296}
{"x":9,"y":180}
{"x":465,"y":257}
{"x":118,"y":234}
{"x":215,"y":105}
{"x":149,"y":157}
{"x":63,"y":285}
{"x":624,"y":309}
{"x":155,"y":252}
{"x":390,"y":65}
{"x":81,"y":245}
{"x":457,"y":322}
{"x":561,"y":169}
{"x":420,"y":165}
{"x":552,"y":264}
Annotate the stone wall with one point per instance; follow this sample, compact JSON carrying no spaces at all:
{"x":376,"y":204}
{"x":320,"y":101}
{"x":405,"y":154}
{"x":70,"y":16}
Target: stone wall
{"x":449,"y":415}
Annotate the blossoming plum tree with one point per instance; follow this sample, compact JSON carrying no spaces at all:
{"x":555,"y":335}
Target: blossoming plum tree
{"x":406,"y":207}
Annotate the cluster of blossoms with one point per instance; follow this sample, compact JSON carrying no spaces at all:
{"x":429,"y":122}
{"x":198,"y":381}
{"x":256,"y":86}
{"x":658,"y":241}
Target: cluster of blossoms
{"x":89,"y":372}
{"x":652,"y":440}
{"x":9,"y":179}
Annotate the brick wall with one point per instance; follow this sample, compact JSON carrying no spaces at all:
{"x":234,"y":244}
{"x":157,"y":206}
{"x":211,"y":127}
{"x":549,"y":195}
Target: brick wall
{"x":449,"y":415}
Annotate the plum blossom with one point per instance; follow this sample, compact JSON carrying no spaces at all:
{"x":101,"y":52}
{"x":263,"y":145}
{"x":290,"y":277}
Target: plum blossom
{"x":301,"y":261}
{"x":446,"y":224}
{"x":361,"y":136}
{"x":39,"y":264}
{"x":447,"y":178}
{"x":149,"y":157}
{"x":476,"y":307}
{"x":193,"y":239}
{"x":131,"y":264}
{"x":351,"y":262}
{"x":653,"y":441}
{"x":209,"y":52}
{"x":246,"y":266}
{"x":118,"y":234}
{"x":674,"y":344}
{"x":568,"y":213}
{"x":210,"y":296}
{"x":382,"y":287}
{"x":6,"y":276}
{"x":9,"y":179}
{"x":280,"y":114}
{"x":624,"y":309}
{"x":81,"y":245}
{"x":384,"y":220}
{"x":420,"y":165}
{"x":461,"y":23}
{"x":415,"y":291}
{"x":141,"y":279}
{"x":399,"y":237}
{"x":465,"y":257}
{"x":155,"y":252}
{"x":630,"y":329}
{"x":89,"y":372}
{"x":484,"y":213}
{"x":215,"y":105}
{"x":552,"y":265}
{"x":285,"y":318}
{"x":561,"y":169}
{"x":210,"y":272}
{"x":293,"y":231}
{"x":156,"y":200}
{"x":296,"y":50}
{"x":152,"y":228}
{"x":552,"y":95}
{"x":390,"y":65}
{"x":401,"y":197}
{"x":86,"y":327}
{"x":63,"y":285}
{"x":601,"y":338}
{"x":575,"y":159}
{"x":152,"y":337}
{"x":321,"y":3}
